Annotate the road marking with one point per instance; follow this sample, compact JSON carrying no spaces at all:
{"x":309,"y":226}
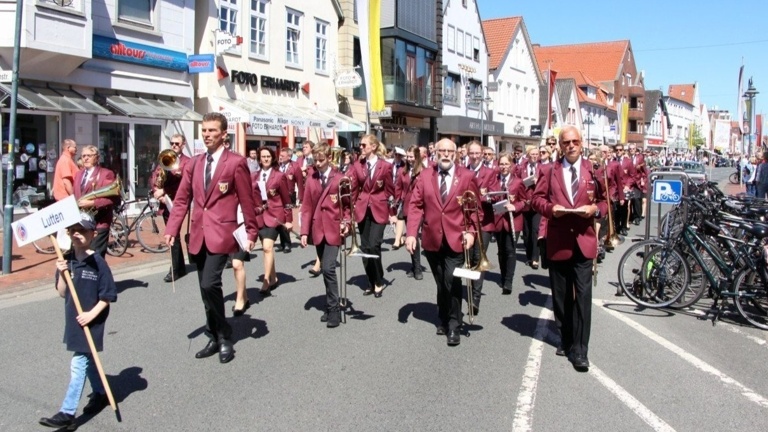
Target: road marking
{"x":732,"y":328}
{"x":690,"y":358}
{"x":630,"y":401}
{"x":526,"y":396}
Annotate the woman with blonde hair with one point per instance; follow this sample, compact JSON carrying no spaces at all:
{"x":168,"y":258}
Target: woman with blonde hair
{"x":403,"y":189}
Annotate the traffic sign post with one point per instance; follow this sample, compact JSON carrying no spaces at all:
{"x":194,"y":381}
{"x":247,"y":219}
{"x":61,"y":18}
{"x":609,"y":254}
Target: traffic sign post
{"x":668,"y":185}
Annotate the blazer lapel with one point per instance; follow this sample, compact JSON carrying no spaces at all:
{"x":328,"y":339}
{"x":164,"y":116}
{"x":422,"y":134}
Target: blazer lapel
{"x":560,"y":179}
{"x":216,"y":174}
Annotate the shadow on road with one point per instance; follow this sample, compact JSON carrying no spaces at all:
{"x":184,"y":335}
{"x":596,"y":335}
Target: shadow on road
{"x":525,"y":325}
{"x":123,"y":385}
{"x":423,"y":311}
{"x":533,"y":297}
{"x":536,"y":280}
{"x":130,"y":283}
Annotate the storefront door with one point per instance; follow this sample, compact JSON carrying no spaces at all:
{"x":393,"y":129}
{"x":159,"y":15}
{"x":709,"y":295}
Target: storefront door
{"x":124,"y":145}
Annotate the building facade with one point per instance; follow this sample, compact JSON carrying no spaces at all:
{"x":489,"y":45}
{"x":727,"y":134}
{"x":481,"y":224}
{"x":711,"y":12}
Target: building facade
{"x":112,"y":74}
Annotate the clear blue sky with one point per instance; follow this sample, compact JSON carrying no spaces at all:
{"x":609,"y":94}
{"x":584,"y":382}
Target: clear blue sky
{"x":675,"y":41}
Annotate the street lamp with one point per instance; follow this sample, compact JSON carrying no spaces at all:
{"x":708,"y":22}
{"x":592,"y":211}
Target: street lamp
{"x":750,"y":94}
{"x":588,"y":122}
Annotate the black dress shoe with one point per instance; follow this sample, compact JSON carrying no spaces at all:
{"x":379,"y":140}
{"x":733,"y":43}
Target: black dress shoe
{"x":239,"y":312}
{"x":96,"y":403}
{"x":334,"y":319}
{"x":378,"y":293}
{"x":226,"y":351}
{"x":440,"y":330}
{"x":315,"y":273}
{"x":418,"y":275}
{"x":409,"y":273}
{"x":287,"y":249}
{"x":560,"y":351}
{"x":175,"y":276}
{"x":636,"y":222}
{"x":59,"y":420}
{"x":506,"y":291}
{"x":324,"y":318}
{"x":624,"y":232}
{"x":279,"y":248}
{"x":475,"y":310}
{"x":454,"y":338}
{"x":580,"y":362}
{"x":209,"y":350}
{"x":368,"y":291}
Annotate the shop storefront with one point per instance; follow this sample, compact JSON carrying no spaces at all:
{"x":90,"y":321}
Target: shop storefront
{"x":462,"y":130}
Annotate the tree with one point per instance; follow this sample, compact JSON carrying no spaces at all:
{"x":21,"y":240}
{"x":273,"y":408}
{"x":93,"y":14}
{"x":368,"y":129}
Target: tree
{"x":697,"y":140}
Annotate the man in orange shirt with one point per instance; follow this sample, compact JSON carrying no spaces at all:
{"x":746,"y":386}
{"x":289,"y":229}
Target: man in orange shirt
{"x":66,"y":168}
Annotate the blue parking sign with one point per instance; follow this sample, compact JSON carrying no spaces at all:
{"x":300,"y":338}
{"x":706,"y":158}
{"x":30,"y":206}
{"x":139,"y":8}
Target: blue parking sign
{"x":667,"y":191}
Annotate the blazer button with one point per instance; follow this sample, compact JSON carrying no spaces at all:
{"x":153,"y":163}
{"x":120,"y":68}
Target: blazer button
{"x":571,"y":229}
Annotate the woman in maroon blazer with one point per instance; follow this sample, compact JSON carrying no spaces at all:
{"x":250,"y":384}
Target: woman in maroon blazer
{"x":506,"y":232}
{"x":403,"y":190}
{"x":373,"y":176}
{"x":277,"y":210}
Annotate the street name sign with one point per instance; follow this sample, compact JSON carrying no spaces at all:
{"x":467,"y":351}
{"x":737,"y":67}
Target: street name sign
{"x":667,"y":191}
{"x":49,"y":220}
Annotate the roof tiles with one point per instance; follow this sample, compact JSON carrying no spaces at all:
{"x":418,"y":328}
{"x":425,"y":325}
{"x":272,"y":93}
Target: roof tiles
{"x":498,"y":37}
{"x":682,"y":92}
{"x":601,"y":61}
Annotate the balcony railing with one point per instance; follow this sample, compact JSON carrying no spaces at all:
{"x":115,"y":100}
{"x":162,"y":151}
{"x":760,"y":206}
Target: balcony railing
{"x":408,"y":91}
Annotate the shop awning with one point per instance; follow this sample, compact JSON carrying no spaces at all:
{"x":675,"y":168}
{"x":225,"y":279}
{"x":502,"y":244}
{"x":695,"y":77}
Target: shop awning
{"x":54,"y":99}
{"x":296,"y":116}
{"x":151,"y":108}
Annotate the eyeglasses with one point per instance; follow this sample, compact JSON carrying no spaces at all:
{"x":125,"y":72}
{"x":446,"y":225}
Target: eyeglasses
{"x":619,"y":149}
{"x":446,"y":151}
{"x":569,"y":142}
{"x":88,"y":155}
{"x":173,"y":143}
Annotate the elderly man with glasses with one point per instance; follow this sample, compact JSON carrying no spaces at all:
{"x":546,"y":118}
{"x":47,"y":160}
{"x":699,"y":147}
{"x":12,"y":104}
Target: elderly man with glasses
{"x":89,"y":179}
{"x":164,"y":191}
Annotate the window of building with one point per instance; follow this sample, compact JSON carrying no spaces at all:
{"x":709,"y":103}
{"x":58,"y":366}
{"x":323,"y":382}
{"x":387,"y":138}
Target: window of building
{"x":67,"y":5}
{"x":408,"y":71}
{"x":451,"y":38}
{"x":228,"y":16}
{"x":468,"y":45}
{"x":452,"y":89}
{"x":259,"y":31}
{"x":293,"y":38}
{"x":321,"y":46}
{"x":464,"y":3}
{"x":474,"y":94}
{"x":357,"y":60}
{"x":476,"y":49}
{"x":137,"y":12}
{"x":459,"y":42}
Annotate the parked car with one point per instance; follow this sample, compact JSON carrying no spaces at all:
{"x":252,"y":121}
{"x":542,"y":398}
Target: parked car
{"x":696,"y":170}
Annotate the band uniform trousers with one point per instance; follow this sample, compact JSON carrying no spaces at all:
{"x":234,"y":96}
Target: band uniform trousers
{"x":177,"y":257}
{"x":99,"y":242}
{"x":209,"y":269}
{"x":507,"y":244}
{"x":572,"y":300}
{"x":531,"y":221}
{"x":416,"y":255}
{"x":371,"y":237}
{"x":442,"y":264}
{"x":328,"y":255}
{"x":477,"y":286}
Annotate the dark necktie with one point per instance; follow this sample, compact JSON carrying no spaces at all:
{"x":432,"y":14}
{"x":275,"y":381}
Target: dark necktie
{"x":443,"y":185}
{"x":264,"y":177}
{"x":323,"y":180}
{"x":85,"y":181}
{"x":574,"y":183}
{"x":531,"y":169}
{"x":208,"y":168}
{"x":504,"y":183}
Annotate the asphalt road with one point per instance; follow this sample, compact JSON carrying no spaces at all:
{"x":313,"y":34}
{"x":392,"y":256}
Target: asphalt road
{"x":385,"y":369}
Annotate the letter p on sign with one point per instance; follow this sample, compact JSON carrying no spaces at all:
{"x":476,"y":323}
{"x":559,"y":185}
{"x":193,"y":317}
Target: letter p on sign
{"x":667,"y":191}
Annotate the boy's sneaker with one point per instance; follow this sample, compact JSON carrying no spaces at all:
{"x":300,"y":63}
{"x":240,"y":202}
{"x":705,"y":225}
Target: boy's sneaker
{"x":59,"y":420}
{"x":96,"y":403}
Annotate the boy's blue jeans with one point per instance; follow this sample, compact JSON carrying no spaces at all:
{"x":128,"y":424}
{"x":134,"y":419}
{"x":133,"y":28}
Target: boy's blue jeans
{"x":82,"y":367}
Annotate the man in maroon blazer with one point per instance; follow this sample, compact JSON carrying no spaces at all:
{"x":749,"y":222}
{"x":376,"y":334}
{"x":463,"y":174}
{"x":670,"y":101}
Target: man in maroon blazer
{"x":167,"y":191}
{"x":570,"y":197}
{"x":641,"y":178}
{"x":628,"y":177}
{"x":486,"y":181}
{"x":216,"y":181}
{"x":443,"y":237}
{"x":373,"y":176}
{"x":324,"y":224}
{"x":287,"y":167}
{"x":531,"y":168}
{"x":612,"y":170}
{"x":93,"y":177}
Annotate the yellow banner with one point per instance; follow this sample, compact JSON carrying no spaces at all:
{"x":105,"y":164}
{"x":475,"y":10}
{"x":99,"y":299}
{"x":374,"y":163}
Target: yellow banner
{"x":374,"y":43}
{"x":624,"y":122}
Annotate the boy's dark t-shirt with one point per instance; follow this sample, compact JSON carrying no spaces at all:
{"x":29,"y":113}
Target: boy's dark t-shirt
{"x":93,"y":281}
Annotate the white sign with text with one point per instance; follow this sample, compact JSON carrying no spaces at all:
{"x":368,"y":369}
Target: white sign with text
{"x":49,"y":220}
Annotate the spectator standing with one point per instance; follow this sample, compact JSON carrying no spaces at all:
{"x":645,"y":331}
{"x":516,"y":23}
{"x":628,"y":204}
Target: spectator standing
{"x":66,"y":169}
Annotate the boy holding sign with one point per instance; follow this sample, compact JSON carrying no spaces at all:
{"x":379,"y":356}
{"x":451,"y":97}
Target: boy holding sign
{"x":95,"y":288}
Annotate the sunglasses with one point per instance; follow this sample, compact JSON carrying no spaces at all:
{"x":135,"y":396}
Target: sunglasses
{"x":574,"y":142}
{"x":79,"y":230}
{"x":176,"y":143}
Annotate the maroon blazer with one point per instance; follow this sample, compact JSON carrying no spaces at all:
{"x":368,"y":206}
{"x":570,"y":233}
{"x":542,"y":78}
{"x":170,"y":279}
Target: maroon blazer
{"x":290,"y":176}
{"x":404,"y":189}
{"x":298,"y":175}
{"x":569,"y":231}
{"x":258,"y":203}
{"x":628,"y":173}
{"x":323,"y":221}
{"x":641,"y":172}
{"x":518,"y":196}
{"x":614,"y":174}
{"x":214,"y":215}
{"x":101,"y":177}
{"x":172,"y":180}
{"x":373,"y":192}
{"x":279,"y":209}
{"x":486,"y":182}
{"x":442,"y":220}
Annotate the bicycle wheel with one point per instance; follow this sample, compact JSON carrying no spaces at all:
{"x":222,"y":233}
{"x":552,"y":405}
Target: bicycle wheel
{"x":150,"y":230}
{"x":699,"y":283}
{"x":44,"y":246}
{"x":652,"y":275}
{"x":734,"y":178}
{"x":118,"y":237}
{"x":752,"y":298}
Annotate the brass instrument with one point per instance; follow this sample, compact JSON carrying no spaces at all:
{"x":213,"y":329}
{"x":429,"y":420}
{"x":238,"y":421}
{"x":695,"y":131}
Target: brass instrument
{"x":113,"y":189}
{"x":470,"y":207}
{"x":611,"y":239}
{"x":345,"y":191}
{"x":168,"y":160}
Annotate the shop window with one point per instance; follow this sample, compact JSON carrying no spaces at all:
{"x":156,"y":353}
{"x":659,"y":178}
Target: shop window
{"x":359,"y":92}
{"x":452,"y":89}
{"x":228,"y":16}
{"x":65,"y":5}
{"x":293,"y":38}
{"x":321,"y":46}
{"x":451,"y":38}
{"x":259,"y":33}
{"x":140,"y":12}
{"x":408,"y":72}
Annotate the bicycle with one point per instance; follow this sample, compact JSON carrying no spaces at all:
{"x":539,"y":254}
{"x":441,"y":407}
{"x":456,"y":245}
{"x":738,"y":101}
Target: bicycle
{"x":149,"y":228}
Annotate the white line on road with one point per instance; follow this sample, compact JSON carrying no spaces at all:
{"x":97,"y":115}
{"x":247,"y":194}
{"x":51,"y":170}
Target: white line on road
{"x":526,"y":397}
{"x":690,"y":358}
{"x":630,"y":401}
{"x":733,"y":329}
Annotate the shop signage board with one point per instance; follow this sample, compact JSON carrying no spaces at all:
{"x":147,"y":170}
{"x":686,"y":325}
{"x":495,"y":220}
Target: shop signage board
{"x":49,"y":220}
{"x":383,"y":114}
{"x":348,"y":79}
{"x":145,"y":55}
{"x":225,"y":41}
{"x":201,"y":63}
{"x":6,"y":76}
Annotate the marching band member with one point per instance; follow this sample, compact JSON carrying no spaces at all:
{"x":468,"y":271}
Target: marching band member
{"x":217,"y":181}
{"x":278,"y":211}
{"x":239,"y":258}
{"x":397,"y":168}
{"x":531,"y":219}
{"x":570,"y":197}
{"x":325,"y":225}
{"x":486,"y":182}
{"x":286,"y":166}
{"x":506,"y":231}
{"x":403,"y":192}
{"x":434,"y":201}
{"x":373,"y":175}
{"x":169,"y":188}
{"x":93,"y":177}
